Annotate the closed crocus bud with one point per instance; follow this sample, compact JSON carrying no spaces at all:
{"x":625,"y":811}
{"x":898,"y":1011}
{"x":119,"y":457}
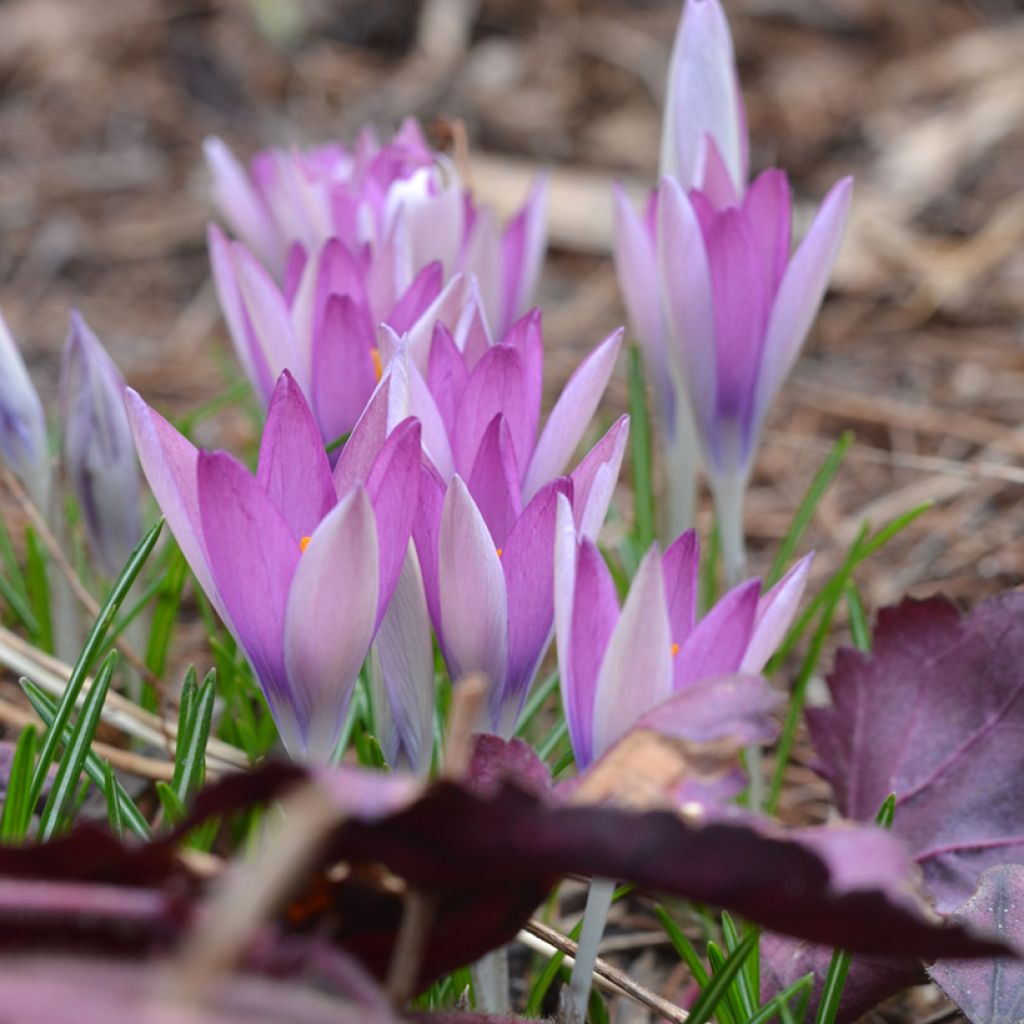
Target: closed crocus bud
{"x":99,"y":453}
{"x":22,"y":424}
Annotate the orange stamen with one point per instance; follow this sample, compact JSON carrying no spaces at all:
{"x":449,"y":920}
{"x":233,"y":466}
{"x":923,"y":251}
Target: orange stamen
{"x":499,"y":550}
{"x":304,"y":543}
{"x":675,"y":650}
{"x":378,"y":370}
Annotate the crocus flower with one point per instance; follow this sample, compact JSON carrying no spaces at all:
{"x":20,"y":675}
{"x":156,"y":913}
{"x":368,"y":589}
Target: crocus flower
{"x":396,"y":208}
{"x":618,"y":667}
{"x":300,"y":563}
{"x":99,"y":454}
{"x":22,"y":423}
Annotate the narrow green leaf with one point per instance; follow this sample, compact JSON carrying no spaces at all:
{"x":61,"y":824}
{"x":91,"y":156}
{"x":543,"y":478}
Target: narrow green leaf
{"x":76,"y":748}
{"x":710,"y":557}
{"x":860,"y":631}
{"x":749,"y":997}
{"x":710,"y":1000}
{"x":771,"y":1008}
{"x":550,"y":743}
{"x":38,"y":588}
{"x":89,"y":651}
{"x":17,"y":811}
{"x":338,"y":442}
{"x":640,"y":449}
{"x":597,"y":1012}
{"x":729,"y":1009}
{"x":535,"y":1000}
{"x":887,"y":812}
{"x":190,"y":758}
{"x":46,"y":709}
{"x":682,"y":946}
{"x":165,"y":614}
{"x":832,"y":992}
{"x":113,"y":801}
{"x":805,"y":511}
{"x":174,"y":809}
{"x":19,"y":604}
{"x":538,"y":695}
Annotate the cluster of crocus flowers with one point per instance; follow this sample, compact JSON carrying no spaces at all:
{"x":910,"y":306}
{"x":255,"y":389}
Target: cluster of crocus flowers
{"x":720,"y":305}
{"x":299,"y":561}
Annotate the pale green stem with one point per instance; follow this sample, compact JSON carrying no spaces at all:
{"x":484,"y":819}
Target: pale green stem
{"x":595,"y":917}
{"x":490,"y":982}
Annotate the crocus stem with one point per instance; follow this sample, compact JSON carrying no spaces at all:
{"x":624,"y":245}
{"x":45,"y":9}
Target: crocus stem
{"x":595,"y":916}
{"x":681,"y":481}
{"x":490,"y":981}
{"x":728,"y":492}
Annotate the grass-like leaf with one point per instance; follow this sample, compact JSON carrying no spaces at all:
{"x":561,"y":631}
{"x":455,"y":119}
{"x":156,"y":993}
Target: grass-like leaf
{"x":805,"y":512}
{"x":538,"y":695}
{"x":165,"y":614}
{"x":113,"y":801}
{"x":640,"y":450}
{"x":748,"y":981}
{"x":773,"y":1008}
{"x":17,"y":811}
{"x":190,"y":753}
{"x":860,"y":630}
{"x":75,"y":750}
{"x":89,"y":651}
{"x":38,"y":590}
{"x":713,"y":998}
{"x":832,"y":991}
{"x":683,"y":947}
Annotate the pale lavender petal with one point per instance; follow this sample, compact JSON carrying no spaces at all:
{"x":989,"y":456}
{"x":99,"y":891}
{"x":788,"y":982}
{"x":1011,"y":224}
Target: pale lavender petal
{"x":410,"y":396}
{"x":482,"y":260}
{"x":393,"y":489}
{"x":571,"y":415}
{"x":800,"y":294}
{"x":424,"y":290}
{"x":344,"y":373}
{"x":471,"y":330}
{"x":528,"y":563}
{"x":685,"y":279}
{"x":329,"y":624}
{"x":446,"y":375}
{"x":241,"y":205}
{"x":295,"y":266}
{"x":522,"y":254}
{"x":407,"y":664}
{"x":426,"y":530}
{"x":169,"y":462}
{"x":473,"y":601}
{"x":681,"y":565}
{"x":444,"y":309}
{"x":365,"y":441}
{"x":586,"y":609}
{"x":293,"y":467}
{"x":253,"y":555}
{"x":495,"y":386}
{"x":768,"y":209}
{"x":527,"y":338}
{"x":636,"y":672}
{"x":717,"y":184}
{"x":494,"y":482}
{"x":594,"y":479}
{"x":775,"y":612}
{"x":719,"y":641}
{"x":703,"y":98}
{"x":229,"y":296}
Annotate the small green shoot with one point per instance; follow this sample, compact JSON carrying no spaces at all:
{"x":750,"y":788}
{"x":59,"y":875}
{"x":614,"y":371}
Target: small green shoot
{"x":640,"y":449}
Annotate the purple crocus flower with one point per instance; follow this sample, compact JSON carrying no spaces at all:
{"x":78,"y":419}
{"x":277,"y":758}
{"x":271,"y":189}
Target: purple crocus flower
{"x":22,"y":423}
{"x":400,"y":207}
{"x":99,"y":454}
{"x":619,"y":667}
{"x":300,"y":563}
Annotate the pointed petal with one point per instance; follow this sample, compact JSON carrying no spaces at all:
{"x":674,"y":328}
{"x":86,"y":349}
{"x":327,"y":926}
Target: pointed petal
{"x":444,"y":309}
{"x":393,"y":489}
{"x":680,"y":566}
{"x":365,"y":441}
{"x":522,"y":254}
{"x":495,"y":386}
{"x":717,"y":184}
{"x":494,"y":482}
{"x":594,"y":479}
{"x":329,"y":624}
{"x":526,"y":337}
{"x":768,"y":209}
{"x":471,"y":330}
{"x":424,"y":290}
{"x":293,"y":467}
{"x":636,"y":672}
{"x":718,"y":642}
{"x":446,"y":375}
{"x":253,"y":555}
{"x":775,"y":612}
{"x":426,"y":529}
{"x":474,"y":606}
{"x":344,"y":375}
{"x":169,"y":462}
{"x":410,"y":396}
{"x":528,"y":563}
{"x":571,"y":415}
{"x":800,"y":294}
{"x":482,"y":260}
{"x":407,"y":664}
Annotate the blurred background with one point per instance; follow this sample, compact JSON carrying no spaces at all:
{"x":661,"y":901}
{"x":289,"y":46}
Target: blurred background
{"x":104,"y":105}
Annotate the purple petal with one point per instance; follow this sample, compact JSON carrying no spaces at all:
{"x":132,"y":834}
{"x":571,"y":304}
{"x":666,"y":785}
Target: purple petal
{"x":526,"y":337}
{"x":410,"y":396}
{"x":446,"y":375}
{"x":444,"y":309}
{"x":294,"y":268}
{"x":169,"y":462}
{"x":474,"y":606}
{"x":528,"y":562}
{"x":775,"y":612}
{"x":426,"y":530}
{"x":800,"y":294}
{"x":471,"y":331}
{"x":594,"y":479}
{"x":571,"y":415}
{"x":522,"y":253}
{"x":686,"y":285}
{"x":495,"y":386}
{"x":365,"y":441}
{"x":494,"y":482}
{"x":718,"y":642}
{"x":393,"y":488}
{"x":253,"y":555}
{"x":681,"y":565}
{"x":482,"y":261}
{"x":717,"y":183}
{"x":767,"y":208}
{"x":636,"y":672}
{"x":407,"y":664}
{"x":329,"y":625}
{"x":424,"y":290}
{"x":586,"y":609}
{"x":344,"y":373}
{"x":293,"y":467}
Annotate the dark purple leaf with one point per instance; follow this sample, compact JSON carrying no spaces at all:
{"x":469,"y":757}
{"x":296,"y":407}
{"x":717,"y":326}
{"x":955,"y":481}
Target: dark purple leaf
{"x":990,"y":991}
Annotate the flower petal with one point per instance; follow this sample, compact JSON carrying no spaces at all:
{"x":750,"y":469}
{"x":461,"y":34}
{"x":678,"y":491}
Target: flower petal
{"x":571,"y":415}
{"x":446,"y":375}
{"x":636,"y":671}
{"x":680,"y":566}
{"x":365,"y":441}
{"x":719,"y":641}
{"x":293,"y":467}
{"x":330,"y":622}
{"x":522,"y":254}
{"x":775,"y":612}
{"x":526,"y":337}
{"x":415,"y":301}
{"x":768,"y":209}
{"x":426,"y":530}
{"x":474,"y":605}
{"x":494,"y":482}
{"x":594,"y":479}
